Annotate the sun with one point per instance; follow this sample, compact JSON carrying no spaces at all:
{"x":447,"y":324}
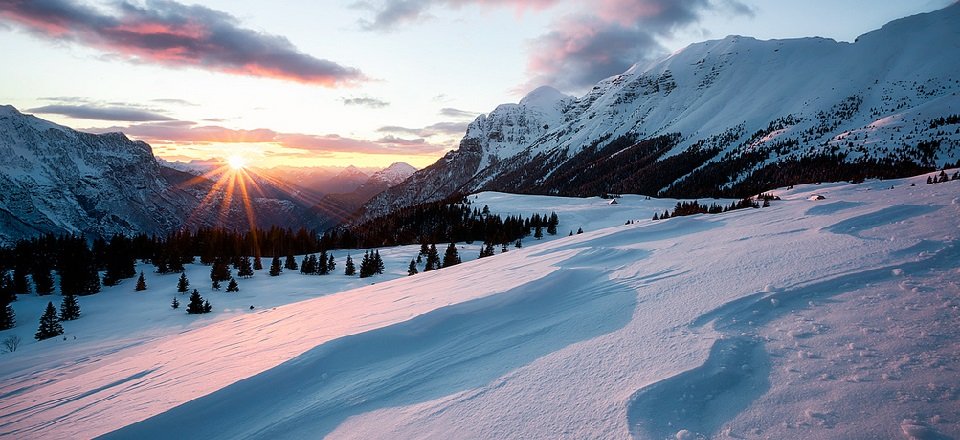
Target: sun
{"x":236,"y":162}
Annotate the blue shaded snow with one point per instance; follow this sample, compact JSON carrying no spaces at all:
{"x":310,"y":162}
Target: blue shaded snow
{"x":460,"y":347}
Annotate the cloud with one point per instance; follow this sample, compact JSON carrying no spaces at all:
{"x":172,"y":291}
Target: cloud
{"x":366,"y":102}
{"x":584,"y":48}
{"x":440,"y":128}
{"x":175,"y":101}
{"x":186,"y":132}
{"x":390,"y":14}
{"x":457,"y":113}
{"x":598,"y":38}
{"x":459,"y":128}
{"x":580,"y":51}
{"x":103,"y":113}
{"x":168,"y":33}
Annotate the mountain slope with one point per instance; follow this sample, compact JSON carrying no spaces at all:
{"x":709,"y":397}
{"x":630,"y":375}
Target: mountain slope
{"x":618,"y":332}
{"x":342,"y":207}
{"x":58,"y":180}
{"x":725,"y":117}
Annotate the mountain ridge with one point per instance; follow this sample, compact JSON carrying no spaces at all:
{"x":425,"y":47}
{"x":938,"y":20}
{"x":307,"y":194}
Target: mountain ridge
{"x":58,"y":180}
{"x":738,"y":114}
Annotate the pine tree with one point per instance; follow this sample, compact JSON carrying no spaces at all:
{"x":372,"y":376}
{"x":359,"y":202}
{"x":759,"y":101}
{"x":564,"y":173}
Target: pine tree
{"x":69,"y":308}
{"x":233,"y":287}
{"x":320,"y":264}
{"x":215,"y":285}
{"x":207,"y":308}
{"x":518,"y":244}
{"x":309,"y":265}
{"x":197,"y":304}
{"x":49,"y":324}
{"x":7,"y":295}
{"x":78,"y":269}
{"x":579,"y":230}
{"x":119,"y":260}
{"x":291,"y":263}
{"x":257,"y":264}
{"x":538,"y":233}
{"x":348,"y":268}
{"x":245,"y":270}
{"x":487,"y":250}
{"x":656,"y":216}
{"x":7,"y":318}
{"x":424,"y":248}
{"x":175,"y":304}
{"x":141,"y":283}
{"x":365,"y":265}
{"x":183,"y":284}
{"x":378,"y":266}
{"x":20,"y":284}
{"x":331,"y":264}
{"x":451,"y":257}
{"x":552,"y":223}
{"x":412,"y":269}
{"x":275,"y":268}
{"x":220,"y":271}
{"x":433,"y":258}
{"x":42,"y":280}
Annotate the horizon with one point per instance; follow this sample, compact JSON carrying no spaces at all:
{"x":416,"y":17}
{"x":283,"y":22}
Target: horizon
{"x":312,"y":104}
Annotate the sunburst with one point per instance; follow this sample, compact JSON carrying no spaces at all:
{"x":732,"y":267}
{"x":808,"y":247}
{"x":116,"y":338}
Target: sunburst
{"x":237,"y":162}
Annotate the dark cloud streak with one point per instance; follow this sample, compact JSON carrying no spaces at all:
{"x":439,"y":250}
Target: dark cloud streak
{"x":185,"y":133}
{"x":391,"y":14}
{"x":168,"y":33}
{"x":457,"y":113}
{"x":615,"y":34}
{"x":366,"y":102}
{"x":102,"y":113}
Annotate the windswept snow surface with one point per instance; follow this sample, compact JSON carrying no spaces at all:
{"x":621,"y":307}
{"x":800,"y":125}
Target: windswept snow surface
{"x":834,"y":318}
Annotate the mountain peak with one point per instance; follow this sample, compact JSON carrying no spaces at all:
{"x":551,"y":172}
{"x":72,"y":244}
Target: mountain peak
{"x":7,"y":110}
{"x":395,"y":173}
{"x":544,"y":97}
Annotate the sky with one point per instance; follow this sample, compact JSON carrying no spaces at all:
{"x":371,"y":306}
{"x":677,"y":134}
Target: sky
{"x":353,"y":82}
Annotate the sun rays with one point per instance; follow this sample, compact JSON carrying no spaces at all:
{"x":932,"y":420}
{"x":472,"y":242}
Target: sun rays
{"x":236,"y":162}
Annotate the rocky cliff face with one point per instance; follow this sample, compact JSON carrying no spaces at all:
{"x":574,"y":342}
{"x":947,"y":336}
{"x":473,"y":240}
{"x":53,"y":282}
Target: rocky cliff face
{"x":723,"y":117}
{"x":57,"y":180}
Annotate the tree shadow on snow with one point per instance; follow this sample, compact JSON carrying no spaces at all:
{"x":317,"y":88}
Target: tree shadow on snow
{"x":452,"y":349}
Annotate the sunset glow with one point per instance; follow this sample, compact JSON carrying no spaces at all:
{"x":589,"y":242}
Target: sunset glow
{"x":210,"y":79}
{"x":236,"y":162}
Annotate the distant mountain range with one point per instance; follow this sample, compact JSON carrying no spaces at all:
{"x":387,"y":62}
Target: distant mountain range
{"x":58,"y":180}
{"x":726,"y":117}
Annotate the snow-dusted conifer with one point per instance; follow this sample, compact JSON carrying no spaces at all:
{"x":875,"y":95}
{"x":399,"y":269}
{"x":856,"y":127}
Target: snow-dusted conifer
{"x":49,"y":324}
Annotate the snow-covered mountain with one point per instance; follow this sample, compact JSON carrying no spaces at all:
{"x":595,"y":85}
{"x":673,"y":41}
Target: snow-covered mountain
{"x":723,"y":117}
{"x":58,"y":180}
{"x":820,"y":319}
{"x":392,"y":175}
{"x":342,"y":207}
{"x":348,"y":179}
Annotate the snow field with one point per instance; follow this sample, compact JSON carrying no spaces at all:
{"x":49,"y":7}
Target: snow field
{"x":748,"y":324}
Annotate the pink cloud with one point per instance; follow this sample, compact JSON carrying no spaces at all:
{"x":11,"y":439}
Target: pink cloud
{"x":184,"y":133}
{"x":169,"y":33}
